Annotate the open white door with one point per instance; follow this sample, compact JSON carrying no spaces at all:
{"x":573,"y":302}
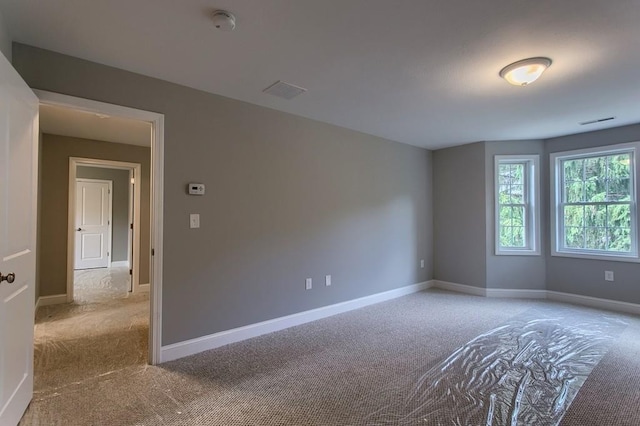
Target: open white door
{"x":18,"y":183}
{"x":93,"y":223}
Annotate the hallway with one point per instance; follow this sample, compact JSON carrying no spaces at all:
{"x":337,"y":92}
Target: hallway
{"x":104,"y":330}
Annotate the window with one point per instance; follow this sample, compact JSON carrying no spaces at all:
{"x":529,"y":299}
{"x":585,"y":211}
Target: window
{"x":516,"y":205}
{"x":594,"y":214}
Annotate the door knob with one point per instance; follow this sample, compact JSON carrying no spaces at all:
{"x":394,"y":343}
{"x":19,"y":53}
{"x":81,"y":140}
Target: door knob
{"x":79,"y":229}
{"x":8,"y":278}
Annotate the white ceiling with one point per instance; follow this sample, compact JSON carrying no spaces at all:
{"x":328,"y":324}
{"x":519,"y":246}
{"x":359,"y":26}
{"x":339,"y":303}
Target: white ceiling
{"x":80,"y":124}
{"x":415,"y":71}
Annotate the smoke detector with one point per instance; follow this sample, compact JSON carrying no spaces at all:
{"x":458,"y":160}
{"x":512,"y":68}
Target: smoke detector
{"x":223,"y":20}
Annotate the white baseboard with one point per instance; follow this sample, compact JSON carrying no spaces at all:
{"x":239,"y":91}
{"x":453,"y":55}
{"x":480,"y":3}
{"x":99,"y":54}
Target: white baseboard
{"x":460,"y":288}
{"x":143,"y":287}
{"x":212,"y":341}
{"x":56,"y":299}
{"x":120,"y":263}
{"x":594,"y":302}
{"x":516,"y":293}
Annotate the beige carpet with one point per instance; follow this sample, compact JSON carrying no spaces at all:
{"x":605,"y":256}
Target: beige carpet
{"x":359,"y":368}
{"x":104,"y":330}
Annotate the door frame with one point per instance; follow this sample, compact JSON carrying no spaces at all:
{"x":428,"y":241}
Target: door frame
{"x":74,"y":213}
{"x":157,"y":193}
{"x":134,"y":168}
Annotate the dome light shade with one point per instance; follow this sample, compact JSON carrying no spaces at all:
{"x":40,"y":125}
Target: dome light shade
{"x":525,"y":72}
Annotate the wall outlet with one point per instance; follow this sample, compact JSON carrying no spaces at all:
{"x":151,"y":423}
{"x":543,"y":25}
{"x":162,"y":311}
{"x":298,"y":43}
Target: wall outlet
{"x":194,"y":220}
{"x":327,"y":280}
{"x":608,"y":275}
{"x":308,"y":284}
{"x":422,"y":263}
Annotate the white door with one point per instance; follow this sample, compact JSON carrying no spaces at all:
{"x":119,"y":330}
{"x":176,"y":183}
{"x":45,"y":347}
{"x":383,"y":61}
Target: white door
{"x":93,"y":213}
{"x":18,"y":179}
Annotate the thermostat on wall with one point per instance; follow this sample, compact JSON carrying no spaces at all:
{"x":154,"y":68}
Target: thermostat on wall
{"x":196,"y":189}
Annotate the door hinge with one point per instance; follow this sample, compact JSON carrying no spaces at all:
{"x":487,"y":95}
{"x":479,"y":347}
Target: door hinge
{"x":130,"y":271}
{"x":131,"y":226}
{"x":153,"y":252}
{"x":107,"y":253}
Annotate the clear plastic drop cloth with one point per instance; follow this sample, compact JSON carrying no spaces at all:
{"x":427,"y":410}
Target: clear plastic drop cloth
{"x":104,"y":330}
{"x":525,"y":372}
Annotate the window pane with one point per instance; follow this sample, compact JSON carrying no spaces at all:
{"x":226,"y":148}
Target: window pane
{"x":595,"y":167}
{"x":518,"y":236}
{"x":503,"y":192}
{"x":619,"y":189}
{"x":596,"y":238}
{"x":517,"y":194}
{"x":503,"y":174}
{"x":574,"y":216}
{"x":595,"y":216}
{"x":517,"y":172}
{"x":517,"y":216}
{"x":619,"y":239}
{"x":574,"y":237}
{"x":573,"y":170}
{"x":506,"y":236}
{"x":619,"y":216}
{"x":595,"y":189}
{"x":574,"y":191}
{"x":619,"y":166}
{"x":505,"y":216}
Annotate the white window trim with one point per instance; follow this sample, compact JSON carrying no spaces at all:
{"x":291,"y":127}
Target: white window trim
{"x":533,"y":212}
{"x":554,"y":161}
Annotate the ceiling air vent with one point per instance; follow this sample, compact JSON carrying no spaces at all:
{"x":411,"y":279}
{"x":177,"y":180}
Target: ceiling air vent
{"x":284,"y":90}
{"x":600,"y":120}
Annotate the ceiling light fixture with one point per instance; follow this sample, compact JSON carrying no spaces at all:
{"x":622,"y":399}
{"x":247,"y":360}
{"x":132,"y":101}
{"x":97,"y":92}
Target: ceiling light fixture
{"x":525,"y":72}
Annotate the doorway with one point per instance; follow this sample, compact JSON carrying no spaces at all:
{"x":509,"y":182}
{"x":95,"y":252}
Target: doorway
{"x":123,"y":260}
{"x":154,"y":249}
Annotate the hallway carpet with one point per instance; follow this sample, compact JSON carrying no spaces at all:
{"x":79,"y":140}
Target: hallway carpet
{"x":104,"y":330}
{"x":381,"y":365}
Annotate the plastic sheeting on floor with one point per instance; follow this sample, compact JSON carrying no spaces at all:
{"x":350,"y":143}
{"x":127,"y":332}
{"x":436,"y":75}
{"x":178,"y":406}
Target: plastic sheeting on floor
{"x":526,"y":372}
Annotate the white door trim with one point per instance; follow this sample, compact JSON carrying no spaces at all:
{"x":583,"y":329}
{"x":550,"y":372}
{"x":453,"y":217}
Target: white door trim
{"x":157,"y":195}
{"x":74,"y":162}
{"x":109,"y":222}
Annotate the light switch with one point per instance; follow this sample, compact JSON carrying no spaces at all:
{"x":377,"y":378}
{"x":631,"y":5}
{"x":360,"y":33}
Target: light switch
{"x":194,"y":220}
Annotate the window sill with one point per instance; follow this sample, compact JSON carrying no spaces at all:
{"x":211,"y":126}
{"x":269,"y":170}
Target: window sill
{"x":594,"y":256}
{"x":517,"y":253}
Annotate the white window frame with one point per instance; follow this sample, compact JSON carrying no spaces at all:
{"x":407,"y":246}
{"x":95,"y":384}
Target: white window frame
{"x":532,"y":204}
{"x":557,"y":224}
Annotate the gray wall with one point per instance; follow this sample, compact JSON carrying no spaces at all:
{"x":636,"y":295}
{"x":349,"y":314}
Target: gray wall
{"x":54,"y":196}
{"x":582,"y":276}
{"x":459,"y":215}
{"x":464,"y":224}
{"x":459,"y":230}
{"x":287,"y":198}
{"x":514,"y":272}
{"x":5,"y":39}
{"x":119,"y":209}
